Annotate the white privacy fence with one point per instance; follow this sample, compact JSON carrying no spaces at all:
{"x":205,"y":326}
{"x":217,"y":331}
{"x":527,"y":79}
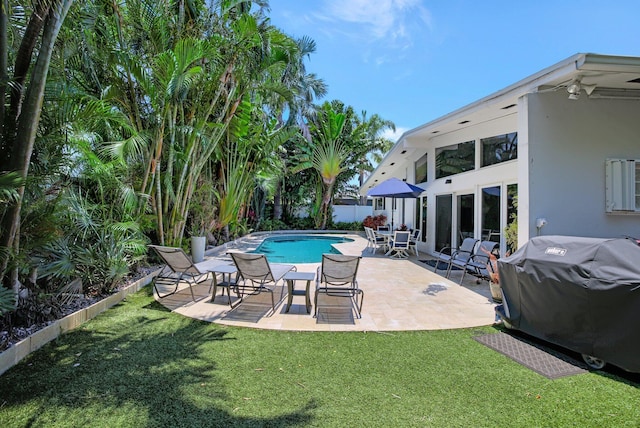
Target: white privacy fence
{"x":345,"y":213}
{"x":349,"y":213}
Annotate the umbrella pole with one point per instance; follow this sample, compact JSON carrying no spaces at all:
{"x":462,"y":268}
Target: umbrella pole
{"x":393,"y":204}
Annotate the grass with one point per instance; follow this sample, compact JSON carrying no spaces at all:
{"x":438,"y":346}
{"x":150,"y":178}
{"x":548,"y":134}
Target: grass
{"x":139,"y":365}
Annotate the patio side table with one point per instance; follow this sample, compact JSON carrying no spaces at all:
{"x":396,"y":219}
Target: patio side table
{"x":291,"y":278}
{"x":227,"y":282}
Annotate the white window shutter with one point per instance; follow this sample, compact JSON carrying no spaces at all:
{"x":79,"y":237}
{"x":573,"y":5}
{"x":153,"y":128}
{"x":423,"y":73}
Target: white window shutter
{"x":620,"y":177}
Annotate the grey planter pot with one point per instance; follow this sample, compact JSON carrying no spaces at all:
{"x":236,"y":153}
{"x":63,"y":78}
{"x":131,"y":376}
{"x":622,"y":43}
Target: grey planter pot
{"x":198,"y":245}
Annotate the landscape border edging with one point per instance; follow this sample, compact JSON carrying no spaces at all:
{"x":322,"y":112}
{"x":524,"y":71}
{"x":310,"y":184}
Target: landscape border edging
{"x":16,"y":352}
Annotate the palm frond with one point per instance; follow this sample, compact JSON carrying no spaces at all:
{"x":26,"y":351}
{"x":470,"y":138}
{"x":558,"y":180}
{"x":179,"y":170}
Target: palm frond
{"x":9,"y":184}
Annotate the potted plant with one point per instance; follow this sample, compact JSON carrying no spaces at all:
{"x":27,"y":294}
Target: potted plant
{"x":511,"y":238}
{"x":202,"y":219}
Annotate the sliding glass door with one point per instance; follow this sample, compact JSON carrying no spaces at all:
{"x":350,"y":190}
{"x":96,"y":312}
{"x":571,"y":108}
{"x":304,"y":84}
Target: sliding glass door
{"x":490,"y":218}
{"x":444,"y":211}
{"x":420,"y":221}
{"x":466,"y":215}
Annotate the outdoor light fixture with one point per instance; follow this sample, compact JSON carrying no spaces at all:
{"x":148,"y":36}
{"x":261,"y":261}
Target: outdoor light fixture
{"x":574,"y":89}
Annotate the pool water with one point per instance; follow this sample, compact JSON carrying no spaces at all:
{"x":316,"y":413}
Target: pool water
{"x":298,"y":248}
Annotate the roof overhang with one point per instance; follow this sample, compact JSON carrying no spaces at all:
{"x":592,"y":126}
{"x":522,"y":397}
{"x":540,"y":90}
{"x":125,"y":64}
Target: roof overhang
{"x":603,"y":76}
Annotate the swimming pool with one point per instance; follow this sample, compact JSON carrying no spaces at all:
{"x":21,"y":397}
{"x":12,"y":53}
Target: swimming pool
{"x":298,"y":248}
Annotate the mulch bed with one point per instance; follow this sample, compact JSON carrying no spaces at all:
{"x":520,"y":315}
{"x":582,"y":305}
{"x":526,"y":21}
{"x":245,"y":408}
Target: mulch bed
{"x":10,"y":336}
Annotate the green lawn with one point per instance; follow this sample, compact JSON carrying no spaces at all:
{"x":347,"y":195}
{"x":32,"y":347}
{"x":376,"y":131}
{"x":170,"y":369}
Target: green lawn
{"x":139,"y":365}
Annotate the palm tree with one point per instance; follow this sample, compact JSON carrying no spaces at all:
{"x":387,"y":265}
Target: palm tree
{"x":181,"y":74}
{"x":371,"y":144}
{"x":326,"y":154}
{"x":305,"y":88}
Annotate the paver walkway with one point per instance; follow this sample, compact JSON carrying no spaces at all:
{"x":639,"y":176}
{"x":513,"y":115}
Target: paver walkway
{"x":398,"y":295}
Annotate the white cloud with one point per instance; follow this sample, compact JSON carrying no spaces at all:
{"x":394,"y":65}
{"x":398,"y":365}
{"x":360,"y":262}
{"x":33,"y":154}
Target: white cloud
{"x":394,"y":135}
{"x":390,"y":20}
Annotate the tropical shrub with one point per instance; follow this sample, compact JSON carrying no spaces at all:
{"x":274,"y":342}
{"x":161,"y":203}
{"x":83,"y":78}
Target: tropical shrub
{"x":93,"y":246}
{"x":7,"y":300}
{"x":375,"y":221}
{"x":348,"y":225}
{"x":202,"y":210}
{"x":511,"y":231}
{"x":272,"y":224}
{"x":302,"y":223}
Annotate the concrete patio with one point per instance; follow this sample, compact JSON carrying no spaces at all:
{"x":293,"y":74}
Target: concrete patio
{"x":400,"y":294}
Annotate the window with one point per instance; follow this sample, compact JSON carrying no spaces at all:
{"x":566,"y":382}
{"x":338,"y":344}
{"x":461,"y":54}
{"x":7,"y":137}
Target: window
{"x":421,"y":169}
{"x":379,"y":204}
{"x":455,"y":159}
{"x":500,"y":148}
{"x":622,"y":184}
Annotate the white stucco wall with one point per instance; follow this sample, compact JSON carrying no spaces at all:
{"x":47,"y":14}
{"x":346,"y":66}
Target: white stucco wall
{"x":470,"y":182}
{"x":568,"y":142}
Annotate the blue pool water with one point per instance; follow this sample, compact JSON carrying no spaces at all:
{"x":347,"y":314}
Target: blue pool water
{"x":298,"y":248}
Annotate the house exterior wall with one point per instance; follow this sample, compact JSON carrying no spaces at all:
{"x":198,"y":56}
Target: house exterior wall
{"x":562,"y":148}
{"x":568,"y":142}
{"x":469,"y":182}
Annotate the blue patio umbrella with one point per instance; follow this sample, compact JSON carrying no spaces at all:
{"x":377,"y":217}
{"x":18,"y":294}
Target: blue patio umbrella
{"x":395,"y":188}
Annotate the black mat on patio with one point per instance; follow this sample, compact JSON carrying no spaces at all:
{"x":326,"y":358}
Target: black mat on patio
{"x":441,"y":265}
{"x":541,"y":359}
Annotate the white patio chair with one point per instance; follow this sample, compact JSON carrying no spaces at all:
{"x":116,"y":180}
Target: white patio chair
{"x":413,"y":241}
{"x":458,"y":257}
{"x":373,"y":241}
{"x":399,"y":246}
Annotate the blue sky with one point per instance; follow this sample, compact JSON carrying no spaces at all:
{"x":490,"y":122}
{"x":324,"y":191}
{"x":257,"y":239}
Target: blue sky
{"x":412,"y":61}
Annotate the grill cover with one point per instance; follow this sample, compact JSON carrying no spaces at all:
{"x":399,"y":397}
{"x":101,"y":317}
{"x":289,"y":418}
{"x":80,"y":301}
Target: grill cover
{"x":579,"y":293}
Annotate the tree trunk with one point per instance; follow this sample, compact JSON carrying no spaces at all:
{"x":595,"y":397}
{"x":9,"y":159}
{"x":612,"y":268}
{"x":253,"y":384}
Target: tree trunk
{"x":4,"y":77}
{"x":326,"y":201}
{"x":27,"y":122}
{"x":20,"y":70}
{"x":363,"y":199}
{"x":277,"y":202}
